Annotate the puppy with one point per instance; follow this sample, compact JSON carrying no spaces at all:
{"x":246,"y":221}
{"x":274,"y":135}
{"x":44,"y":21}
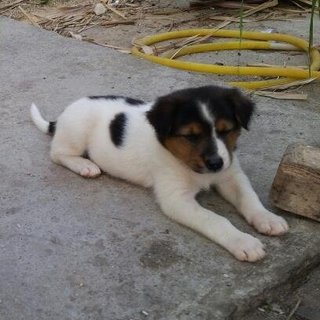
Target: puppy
{"x":179,"y":144}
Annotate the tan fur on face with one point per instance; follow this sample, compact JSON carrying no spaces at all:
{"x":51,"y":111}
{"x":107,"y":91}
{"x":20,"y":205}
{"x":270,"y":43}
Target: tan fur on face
{"x":231,"y":140}
{"x":223,"y":125}
{"x":183,"y":150}
{"x":192,"y":128}
{"x":191,"y":153}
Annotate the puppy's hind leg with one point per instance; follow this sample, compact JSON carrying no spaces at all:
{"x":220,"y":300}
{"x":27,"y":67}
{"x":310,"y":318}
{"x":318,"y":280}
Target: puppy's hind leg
{"x":79,"y":165}
{"x":70,"y":154}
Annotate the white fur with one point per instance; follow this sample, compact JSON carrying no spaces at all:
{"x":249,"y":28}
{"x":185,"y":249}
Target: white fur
{"x":41,"y":124}
{"x":84,"y":126}
{"x":223,"y":153}
{"x":205,"y":112}
{"x":222,"y":150}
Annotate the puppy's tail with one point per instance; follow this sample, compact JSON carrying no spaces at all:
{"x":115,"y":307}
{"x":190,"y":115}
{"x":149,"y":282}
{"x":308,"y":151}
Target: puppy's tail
{"x":43,"y":125}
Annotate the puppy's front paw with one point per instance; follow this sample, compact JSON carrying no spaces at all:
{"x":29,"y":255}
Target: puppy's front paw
{"x":269,"y":223}
{"x":246,"y":247}
{"x":90,"y":170}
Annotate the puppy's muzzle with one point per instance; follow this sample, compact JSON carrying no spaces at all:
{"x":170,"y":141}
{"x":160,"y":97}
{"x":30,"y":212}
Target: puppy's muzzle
{"x":214,"y":163}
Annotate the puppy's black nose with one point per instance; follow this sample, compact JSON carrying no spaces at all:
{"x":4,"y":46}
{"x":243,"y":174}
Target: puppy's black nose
{"x":214,"y":163}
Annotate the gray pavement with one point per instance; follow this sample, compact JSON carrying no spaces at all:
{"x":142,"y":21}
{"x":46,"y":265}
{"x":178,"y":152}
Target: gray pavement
{"x":304,"y":300}
{"x":101,"y":249}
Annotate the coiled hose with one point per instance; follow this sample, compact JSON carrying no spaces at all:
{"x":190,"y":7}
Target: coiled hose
{"x":261,"y":41}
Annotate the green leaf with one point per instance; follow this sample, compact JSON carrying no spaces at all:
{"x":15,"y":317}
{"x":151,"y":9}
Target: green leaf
{"x":314,"y":4}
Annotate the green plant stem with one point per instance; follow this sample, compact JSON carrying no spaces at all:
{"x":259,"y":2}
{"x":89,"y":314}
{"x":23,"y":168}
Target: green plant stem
{"x":313,"y":9}
{"x":241,"y":20}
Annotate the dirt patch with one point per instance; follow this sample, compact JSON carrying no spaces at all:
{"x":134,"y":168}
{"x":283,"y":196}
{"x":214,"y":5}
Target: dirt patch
{"x":124,"y":20}
{"x":161,"y":254}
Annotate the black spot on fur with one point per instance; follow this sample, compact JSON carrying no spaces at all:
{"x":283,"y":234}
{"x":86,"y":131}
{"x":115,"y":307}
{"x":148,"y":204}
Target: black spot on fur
{"x":182,"y":106}
{"x":117,"y":129}
{"x":171,"y":112}
{"x":131,"y":101}
{"x":243,"y":107}
{"x":86,"y":155}
{"x":52,"y":127}
{"x":110,"y":97}
{"x":134,"y":102}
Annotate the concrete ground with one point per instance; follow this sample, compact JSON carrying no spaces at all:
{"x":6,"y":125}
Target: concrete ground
{"x":101,"y":249}
{"x":302,"y":302}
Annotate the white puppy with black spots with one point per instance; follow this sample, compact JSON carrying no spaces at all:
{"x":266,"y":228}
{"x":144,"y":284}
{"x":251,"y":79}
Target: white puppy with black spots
{"x":179,"y":144}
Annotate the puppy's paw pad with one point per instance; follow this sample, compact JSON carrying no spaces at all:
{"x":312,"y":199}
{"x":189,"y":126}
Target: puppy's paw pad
{"x":90,"y":171}
{"x":247,"y":248}
{"x":270,"y":224}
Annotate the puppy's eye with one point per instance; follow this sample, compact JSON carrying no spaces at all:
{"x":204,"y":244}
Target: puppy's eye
{"x":224,"y":132}
{"x":192,"y":137}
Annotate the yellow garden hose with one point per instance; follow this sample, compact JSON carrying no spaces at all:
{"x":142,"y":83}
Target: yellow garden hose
{"x":262,"y":41}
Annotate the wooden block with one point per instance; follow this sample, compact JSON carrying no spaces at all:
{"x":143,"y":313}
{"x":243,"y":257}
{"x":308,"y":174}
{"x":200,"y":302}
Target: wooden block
{"x":296,"y":186}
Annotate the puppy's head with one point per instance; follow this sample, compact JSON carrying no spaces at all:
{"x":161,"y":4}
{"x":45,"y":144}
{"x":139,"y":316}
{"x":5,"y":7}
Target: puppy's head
{"x":200,"y":126}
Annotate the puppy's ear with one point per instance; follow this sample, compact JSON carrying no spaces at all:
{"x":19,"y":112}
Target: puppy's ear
{"x":162,"y":116}
{"x":243,"y":107}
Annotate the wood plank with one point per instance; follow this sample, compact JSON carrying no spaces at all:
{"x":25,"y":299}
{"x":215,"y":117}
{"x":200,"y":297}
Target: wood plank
{"x":296,"y":187}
